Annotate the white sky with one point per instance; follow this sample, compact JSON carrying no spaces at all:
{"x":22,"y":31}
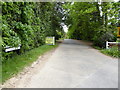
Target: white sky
{"x":65,"y":28}
{"x":116,"y":0}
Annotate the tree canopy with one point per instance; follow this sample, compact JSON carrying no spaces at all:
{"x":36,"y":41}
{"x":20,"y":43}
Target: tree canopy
{"x":29,"y":23}
{"x":92,"y":21}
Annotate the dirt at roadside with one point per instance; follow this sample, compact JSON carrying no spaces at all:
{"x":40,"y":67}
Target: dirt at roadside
{"x":23,"y":77}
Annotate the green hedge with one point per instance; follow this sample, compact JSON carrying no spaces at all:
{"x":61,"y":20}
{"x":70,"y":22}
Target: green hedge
{"x":28,"y":23}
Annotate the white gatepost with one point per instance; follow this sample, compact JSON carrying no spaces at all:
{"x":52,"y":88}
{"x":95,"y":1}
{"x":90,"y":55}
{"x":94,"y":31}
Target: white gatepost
{"x":114,"y":43}
{"x":107,"y":45}
{"x":53,"y":40}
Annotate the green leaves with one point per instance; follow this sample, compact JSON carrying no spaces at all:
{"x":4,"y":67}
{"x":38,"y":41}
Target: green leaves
{"x":28,"y":23}
{"x":10,"y":38}
{"x":92,"y":21}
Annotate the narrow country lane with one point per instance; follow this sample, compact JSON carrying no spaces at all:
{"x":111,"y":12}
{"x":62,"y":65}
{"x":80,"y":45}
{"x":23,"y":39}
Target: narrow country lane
{"x":75,"y":65}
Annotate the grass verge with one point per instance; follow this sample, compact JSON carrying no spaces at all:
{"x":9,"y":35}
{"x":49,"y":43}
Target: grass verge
{"x":17,"y":64}
{"x":114,"y":52}
{"x":96,"y":47}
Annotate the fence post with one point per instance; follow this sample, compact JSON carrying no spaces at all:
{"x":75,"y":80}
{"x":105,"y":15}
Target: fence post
{"x":107,"y":45}
{"x":53,"y":40}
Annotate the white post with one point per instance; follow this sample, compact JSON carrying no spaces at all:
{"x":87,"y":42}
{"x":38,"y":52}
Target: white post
{"x":107,"y":45}
{"x":53,"y":40}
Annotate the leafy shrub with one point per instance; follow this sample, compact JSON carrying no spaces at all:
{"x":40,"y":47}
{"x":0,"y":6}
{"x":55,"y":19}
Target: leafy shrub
{"x":28,"y":24}
{"x":9,"y":38}
{"x":103,"y":34}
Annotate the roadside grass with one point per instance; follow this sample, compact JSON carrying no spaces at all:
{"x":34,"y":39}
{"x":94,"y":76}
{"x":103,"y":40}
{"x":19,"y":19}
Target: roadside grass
{"x":96,"y":47}
{"x":114,"y":52}
{"x":16,"y":64}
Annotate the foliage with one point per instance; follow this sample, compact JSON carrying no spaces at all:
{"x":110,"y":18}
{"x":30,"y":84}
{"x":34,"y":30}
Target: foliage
{"x":92,"y":21}
{"x":28,"y":23}
{"x":103,"y":34}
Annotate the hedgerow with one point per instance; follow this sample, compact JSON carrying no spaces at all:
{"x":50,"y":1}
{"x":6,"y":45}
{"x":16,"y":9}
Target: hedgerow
{"x":27,"y":24}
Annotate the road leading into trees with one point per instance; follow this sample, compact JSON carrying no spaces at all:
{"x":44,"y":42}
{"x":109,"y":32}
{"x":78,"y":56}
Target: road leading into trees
{"x":75,"y":64}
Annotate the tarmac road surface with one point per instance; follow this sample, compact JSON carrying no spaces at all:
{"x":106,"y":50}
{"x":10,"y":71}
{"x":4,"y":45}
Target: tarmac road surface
{"x":75,"y":64}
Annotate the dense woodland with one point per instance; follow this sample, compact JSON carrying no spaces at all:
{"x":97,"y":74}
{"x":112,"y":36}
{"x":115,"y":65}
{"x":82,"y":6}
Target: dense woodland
{"x":28,"y":23}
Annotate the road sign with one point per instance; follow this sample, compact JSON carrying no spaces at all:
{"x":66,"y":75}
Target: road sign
{"x":50,"y":40}
{"x":118,"y":33}
{"x":9,"y":48}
